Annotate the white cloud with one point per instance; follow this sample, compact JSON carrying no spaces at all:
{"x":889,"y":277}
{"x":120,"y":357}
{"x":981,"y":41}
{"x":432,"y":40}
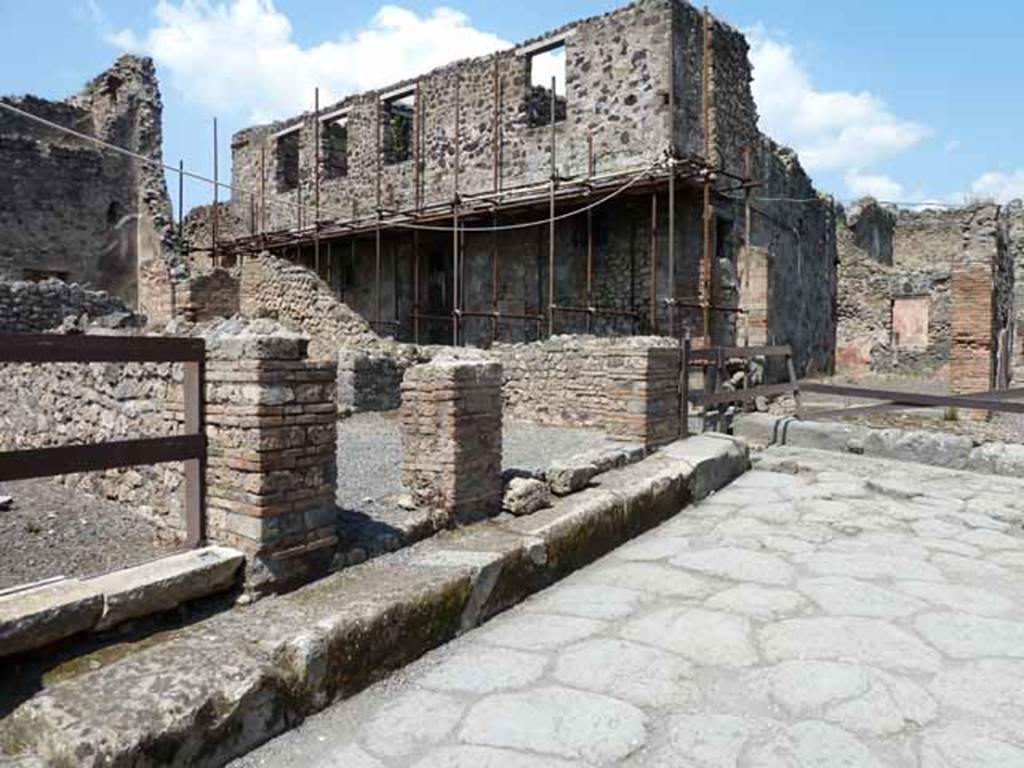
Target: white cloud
{"x":952,"y":146}
{"x":998,"y":186}
{"x":241,"y":54}
{"x":831,"y":130}
{"x":878,"y":186}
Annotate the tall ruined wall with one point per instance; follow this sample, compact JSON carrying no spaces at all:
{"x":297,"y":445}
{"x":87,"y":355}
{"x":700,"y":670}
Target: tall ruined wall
{"x":616,"y":90}
{"x":801,"y":257}
{"x":73,"y":210}
{"x":36,"y":307}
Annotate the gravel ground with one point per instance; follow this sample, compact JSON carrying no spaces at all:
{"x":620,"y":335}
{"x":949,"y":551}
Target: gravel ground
{"x":370,"y":490}
{"x":50,"y":530}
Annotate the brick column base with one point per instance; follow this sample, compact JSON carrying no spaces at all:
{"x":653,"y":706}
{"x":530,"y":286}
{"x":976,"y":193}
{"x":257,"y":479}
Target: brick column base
{"x":451,"y":438}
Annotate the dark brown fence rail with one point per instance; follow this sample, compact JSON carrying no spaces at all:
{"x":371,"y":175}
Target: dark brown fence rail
{"x":189,"y":448}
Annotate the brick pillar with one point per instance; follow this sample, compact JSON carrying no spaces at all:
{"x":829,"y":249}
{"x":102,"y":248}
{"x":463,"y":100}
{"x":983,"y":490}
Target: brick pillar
{"x":972,"y":290}
{"x":271,"y":425}
{"x":641,"y":391}
{"x":754,"y":296}
{"x":451,"y":437}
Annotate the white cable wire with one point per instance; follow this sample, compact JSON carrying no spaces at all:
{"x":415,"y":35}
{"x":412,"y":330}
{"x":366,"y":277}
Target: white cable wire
{"x":540,"y":222}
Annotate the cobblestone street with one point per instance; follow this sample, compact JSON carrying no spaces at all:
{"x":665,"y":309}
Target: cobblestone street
{"x":823,"y":610}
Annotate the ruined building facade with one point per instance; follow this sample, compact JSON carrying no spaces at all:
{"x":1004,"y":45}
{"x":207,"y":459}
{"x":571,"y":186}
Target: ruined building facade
{"x":935,"y":294}
{"x":81,"y":213}
{"x":656,"y":105}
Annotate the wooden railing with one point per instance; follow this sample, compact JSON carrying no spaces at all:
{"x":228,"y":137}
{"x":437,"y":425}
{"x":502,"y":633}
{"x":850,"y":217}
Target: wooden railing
{"x":189,"y":448}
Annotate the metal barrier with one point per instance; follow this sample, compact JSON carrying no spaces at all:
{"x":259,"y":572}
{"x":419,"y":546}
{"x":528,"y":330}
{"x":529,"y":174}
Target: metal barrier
{"x":189,"y":448}
{"x":712,"y":360}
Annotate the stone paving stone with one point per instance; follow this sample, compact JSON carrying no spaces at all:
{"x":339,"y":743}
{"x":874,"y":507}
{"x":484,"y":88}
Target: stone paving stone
{"x":870,"y":641}
{"x":738,"y":564}
{"x":963,"y":636}
{"x":757,"y":601}
{"x":861,"y":613}
{"x":485,"y":757}
{"x":534,"y":632}
{"x":962,"y":746}
{"x":589,"y":602}
{"x":412,"y":721}
{"x":841,"y":596}
{"x":557,"y":721}
{"x":486,"y":670}
{"x":710,"y":638}
{"x":636,"y":673}
{"x":958,"y":598}
{"x":647,"y":577}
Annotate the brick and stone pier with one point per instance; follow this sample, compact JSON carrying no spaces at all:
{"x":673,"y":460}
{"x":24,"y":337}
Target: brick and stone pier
{"x":271,"y":417}
{"x":451,"y":434}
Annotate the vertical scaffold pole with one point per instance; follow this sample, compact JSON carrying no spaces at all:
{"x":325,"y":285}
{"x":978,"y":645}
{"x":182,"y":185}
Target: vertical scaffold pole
{"x":263,"y":187}
{"x":652,"y":318}
{"x":551,"y":214}
{"x":181,"y":208}
{"x":214,"y":221}
{"x":316,"y":180}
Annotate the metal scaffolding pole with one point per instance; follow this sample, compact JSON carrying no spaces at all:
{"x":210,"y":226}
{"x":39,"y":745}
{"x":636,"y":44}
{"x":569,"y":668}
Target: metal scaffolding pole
{"x":653,"y":250}
{"x":316,"y":180}
{"x":214,"y":221}
{"x":551,"y":211}
{"x":416,"y":286}
{"x":263,"y":188}
{"x":494,"y":276}
{"x":706,"y":278}
{"x":590,"y":239}
{"x":181,"y":208}
{"x":672,"y":245}
{"x":417,"y":148}
{"x":455,"y":275}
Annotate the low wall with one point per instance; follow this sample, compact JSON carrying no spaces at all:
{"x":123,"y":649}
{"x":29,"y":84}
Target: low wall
{"x":35,"y":307}
{"x":71,"y":403}
{"x":627,"y":387}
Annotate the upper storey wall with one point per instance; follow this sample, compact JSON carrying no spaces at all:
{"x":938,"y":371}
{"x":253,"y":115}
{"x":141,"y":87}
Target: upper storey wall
{"x":617,"y":91}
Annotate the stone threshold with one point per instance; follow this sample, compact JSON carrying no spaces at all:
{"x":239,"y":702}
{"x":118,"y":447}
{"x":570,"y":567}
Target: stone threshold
{"x":41,"y":614}
{"x":219,"y":688}
{"x":937,"y":449}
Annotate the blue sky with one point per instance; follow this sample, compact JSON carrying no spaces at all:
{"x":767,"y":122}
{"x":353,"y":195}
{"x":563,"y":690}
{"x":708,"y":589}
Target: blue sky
{"x":909,"y":101}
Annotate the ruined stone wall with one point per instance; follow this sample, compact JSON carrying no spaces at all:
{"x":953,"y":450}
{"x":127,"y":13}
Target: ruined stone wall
{"x":802,"y":257}
{"x":276,"y":289}
{"x":71,"y":209}
{"x":69,"y":403}
{"x":209,"y":295}
{"x":929,"y":238}
{"x":616,"y":90}
{"x":35,"y":307}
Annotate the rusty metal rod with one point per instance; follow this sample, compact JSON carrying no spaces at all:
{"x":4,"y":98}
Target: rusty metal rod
{"x":316,"y":180}
{"x":551,"y":211}
{"x":653,"y":250}
{"x":214,"y":219}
